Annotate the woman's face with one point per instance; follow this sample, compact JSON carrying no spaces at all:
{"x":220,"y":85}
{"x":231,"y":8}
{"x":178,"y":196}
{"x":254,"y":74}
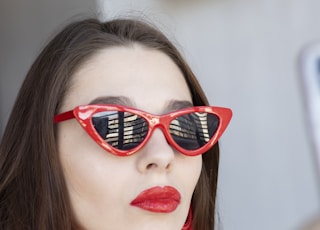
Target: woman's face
{"x":112,"y":192}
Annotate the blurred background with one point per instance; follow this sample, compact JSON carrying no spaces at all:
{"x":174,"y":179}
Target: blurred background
{"x":244,"y":53}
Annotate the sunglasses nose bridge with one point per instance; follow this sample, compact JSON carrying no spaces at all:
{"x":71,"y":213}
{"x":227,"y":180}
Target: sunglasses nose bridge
{"x":156,"y":122}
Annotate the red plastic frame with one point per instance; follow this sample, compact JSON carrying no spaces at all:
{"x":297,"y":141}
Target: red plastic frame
{"x":84,"y":113}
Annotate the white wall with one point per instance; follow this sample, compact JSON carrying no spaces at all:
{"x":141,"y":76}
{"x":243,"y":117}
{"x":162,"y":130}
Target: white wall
{"x":244,"y":53}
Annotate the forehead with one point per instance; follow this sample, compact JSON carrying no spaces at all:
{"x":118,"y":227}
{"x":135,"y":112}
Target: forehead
{"x":149,"y":78}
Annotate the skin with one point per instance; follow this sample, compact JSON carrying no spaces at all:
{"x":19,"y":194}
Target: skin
{"x":101,"y":185}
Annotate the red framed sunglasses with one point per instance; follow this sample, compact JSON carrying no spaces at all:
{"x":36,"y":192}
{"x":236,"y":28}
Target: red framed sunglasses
{"x":123,"y":131}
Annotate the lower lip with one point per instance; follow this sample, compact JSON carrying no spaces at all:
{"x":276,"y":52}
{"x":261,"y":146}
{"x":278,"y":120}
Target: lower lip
{"x":158,"y":199}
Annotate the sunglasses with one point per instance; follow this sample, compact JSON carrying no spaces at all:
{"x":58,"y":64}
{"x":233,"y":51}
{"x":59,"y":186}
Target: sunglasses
{"x":123,"y":131}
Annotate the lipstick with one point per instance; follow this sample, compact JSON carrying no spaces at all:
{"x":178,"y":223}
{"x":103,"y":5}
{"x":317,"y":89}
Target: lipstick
{"x":158,"y":199}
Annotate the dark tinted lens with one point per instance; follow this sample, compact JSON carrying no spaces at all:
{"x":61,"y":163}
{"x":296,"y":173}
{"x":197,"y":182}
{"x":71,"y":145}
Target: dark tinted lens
{"x":194,"y":130}
{"x":122,"y":130}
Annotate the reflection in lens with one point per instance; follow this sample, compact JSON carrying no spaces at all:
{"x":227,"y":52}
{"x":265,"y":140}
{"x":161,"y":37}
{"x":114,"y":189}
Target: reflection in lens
{"x":122,"y":130}
{"x":194,"y":130}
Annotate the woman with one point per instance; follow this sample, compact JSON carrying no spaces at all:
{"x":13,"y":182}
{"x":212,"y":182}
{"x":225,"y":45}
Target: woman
{"x":107,"y":133}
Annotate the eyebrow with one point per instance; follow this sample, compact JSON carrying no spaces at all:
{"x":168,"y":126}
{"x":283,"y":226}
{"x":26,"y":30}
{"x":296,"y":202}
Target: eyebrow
{"x":172,"y":105}
{"x":113,"y":100}
{"x":176,"y":105}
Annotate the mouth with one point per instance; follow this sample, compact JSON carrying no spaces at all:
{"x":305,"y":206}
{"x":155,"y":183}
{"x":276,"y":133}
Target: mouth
{"x":158,"y":199}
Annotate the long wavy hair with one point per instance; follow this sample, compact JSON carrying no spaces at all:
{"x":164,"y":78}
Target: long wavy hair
{"x":33,"y":193}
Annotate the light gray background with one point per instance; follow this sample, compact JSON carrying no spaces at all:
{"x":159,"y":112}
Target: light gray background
{"x":245,"y":55}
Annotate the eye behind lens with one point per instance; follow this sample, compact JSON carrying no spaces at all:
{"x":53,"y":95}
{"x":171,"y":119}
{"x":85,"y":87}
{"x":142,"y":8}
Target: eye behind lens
{"x":193,"y":131}
{"x":121,"y":130}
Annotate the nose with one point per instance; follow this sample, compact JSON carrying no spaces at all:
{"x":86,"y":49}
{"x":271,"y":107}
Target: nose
{"x":156,"y":155}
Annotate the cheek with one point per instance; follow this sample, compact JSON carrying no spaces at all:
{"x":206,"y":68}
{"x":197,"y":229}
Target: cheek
{"x":196,"y":168}
{"x":77,"y":157}
{"x":95,"y":179}
{"x":190,"y":171}
{"x":89,"y":170}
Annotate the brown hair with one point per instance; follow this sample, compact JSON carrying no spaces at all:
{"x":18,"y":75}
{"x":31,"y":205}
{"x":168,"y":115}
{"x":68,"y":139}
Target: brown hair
{"x":33,"y":193}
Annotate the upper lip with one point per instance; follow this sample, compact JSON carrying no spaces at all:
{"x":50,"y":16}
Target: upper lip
{"x":158,"y":199}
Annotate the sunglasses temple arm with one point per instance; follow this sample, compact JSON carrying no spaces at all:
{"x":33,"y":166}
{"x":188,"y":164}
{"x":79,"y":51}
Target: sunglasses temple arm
{"x":63,"y":116}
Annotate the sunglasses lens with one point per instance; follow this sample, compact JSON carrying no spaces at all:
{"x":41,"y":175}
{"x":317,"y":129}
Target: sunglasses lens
{"x":194,"y":130}
{"x":121,"y":130}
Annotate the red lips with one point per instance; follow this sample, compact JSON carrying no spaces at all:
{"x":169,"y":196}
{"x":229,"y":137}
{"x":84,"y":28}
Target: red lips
{"x":158,"y":199}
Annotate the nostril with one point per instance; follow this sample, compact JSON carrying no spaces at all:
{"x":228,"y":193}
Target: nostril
{"x":152,"y":165}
